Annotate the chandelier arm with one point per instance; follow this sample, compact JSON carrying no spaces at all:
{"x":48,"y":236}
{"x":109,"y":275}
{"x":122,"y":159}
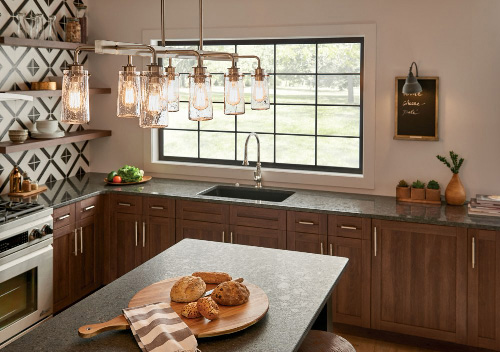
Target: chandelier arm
{"x":136,"y":46}
{"x":249,"y":57}
{"x":232,"y":56}
{"x":80,"y":49}
{"x":182,"y":51}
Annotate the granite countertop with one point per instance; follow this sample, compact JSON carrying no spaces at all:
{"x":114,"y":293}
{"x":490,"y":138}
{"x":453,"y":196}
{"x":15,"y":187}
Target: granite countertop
{"x":297,"y":284}
{"x":74,"y":189}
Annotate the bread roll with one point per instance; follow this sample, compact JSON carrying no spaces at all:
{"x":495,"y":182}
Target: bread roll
{"x":231,"y":293}
{"x":208,"y":308}
{"x":187,"y":289}
{"x":213,"y":277}
{"x":190,"y":311}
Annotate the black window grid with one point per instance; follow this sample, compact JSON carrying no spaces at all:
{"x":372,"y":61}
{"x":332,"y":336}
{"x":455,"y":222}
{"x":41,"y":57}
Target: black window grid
{"x":274,"y":74}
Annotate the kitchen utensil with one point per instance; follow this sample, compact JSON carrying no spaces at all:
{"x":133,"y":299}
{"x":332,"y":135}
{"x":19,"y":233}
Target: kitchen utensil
{"x":15,"y":180}
{"x":18,"y":136}
{"x":46,"y":126}
{"x":231,"y":318}
{"x":144,"y":179}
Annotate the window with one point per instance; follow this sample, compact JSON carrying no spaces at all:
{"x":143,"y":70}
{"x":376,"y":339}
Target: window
{"x":316,"y":117}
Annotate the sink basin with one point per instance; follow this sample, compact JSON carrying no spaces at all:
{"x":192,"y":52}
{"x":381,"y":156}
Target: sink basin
{"x":268,"y":195}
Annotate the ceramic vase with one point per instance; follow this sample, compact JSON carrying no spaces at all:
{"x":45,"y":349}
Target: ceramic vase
{"x":455,"y":191}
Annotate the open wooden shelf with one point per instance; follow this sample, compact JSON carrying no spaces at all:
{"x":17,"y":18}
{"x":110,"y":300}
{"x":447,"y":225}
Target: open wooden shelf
{"x":55,"y":93}
{"x":37,"y":43}
{"x":70,"y":137}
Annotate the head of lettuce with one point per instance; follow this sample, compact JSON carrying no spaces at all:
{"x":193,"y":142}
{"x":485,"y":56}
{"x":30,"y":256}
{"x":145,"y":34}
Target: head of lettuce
{"x":130,"y":174}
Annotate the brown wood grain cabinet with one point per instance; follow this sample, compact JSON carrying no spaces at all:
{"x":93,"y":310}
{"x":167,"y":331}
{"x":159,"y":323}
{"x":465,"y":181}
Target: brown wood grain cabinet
{"x":483,"y":267}
{"x":64,"y":237}
{"x":419,"y":280}
{"x":307,"y":232}
{"x":349,"y":237}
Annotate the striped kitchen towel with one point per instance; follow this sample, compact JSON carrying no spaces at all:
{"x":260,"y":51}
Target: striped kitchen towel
{"x":157,"y":327}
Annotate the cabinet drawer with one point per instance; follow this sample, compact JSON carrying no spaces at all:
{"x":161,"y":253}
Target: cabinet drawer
{"x":349,"y":226}
{"x":122,"y":203}
{"x":306,"y":222}
{"x":251,"y":236}
{"x":64,"y":216}
{"x":158,"y":206}
{"x":202,"y":211}
{"x":86,"y":208}
{"x":258,"y":217}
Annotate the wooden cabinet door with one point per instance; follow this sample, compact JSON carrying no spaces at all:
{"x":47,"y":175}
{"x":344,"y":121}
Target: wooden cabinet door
{"x":254,"y":236}
{"x":85,"y":267}
{"x":129,"y":250}
{"x":64,"y":249}
{"x":306,"y":242}
{"x":201,"y":230}
{"x":306,"y":232}
{"x":483,"y":289}
{"x":351,"y":297}
{"x":160,"y":234}
{"x":419,"y":280}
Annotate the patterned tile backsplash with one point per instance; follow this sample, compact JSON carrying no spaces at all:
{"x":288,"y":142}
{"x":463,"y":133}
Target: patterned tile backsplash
{"x":18,"y":67}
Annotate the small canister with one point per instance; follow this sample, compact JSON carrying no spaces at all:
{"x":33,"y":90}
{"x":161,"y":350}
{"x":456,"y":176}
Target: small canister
{"x":73,"y":30}
{"x":34,"y":185}
{"x":26,"y":185}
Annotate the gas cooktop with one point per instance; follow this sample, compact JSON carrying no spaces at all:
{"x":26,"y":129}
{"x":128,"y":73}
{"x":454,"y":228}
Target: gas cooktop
{"x":12,"y":210}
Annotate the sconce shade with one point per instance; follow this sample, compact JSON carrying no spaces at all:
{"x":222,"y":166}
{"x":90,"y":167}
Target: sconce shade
{"x":411,"y":85}
{"x":75,"y":96}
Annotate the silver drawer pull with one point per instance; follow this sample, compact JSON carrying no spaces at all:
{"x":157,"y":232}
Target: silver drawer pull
{"x":125,"y":204}
{"x":306,"y":223}
{"x":89,"y":207}
{"x":331,"y":248}
{"x":143,"y":234}
{"x":76,"y":242}
{"x":62,"y":217}
{"x":136,"y":231}
{"x":157,"y":207}
{"x":321,"y":248}
{"x":473,"y":252}
{"x":348,"y":227}
{"x":223,"y":237}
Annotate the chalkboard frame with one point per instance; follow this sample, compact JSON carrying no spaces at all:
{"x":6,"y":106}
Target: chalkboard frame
{"x":416,"y":136}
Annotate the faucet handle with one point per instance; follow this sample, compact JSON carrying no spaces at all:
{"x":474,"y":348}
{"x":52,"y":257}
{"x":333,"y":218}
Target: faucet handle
{"x":245,"y":162}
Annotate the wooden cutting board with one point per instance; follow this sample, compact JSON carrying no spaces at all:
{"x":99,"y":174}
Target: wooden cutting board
{"x":231,"y":318}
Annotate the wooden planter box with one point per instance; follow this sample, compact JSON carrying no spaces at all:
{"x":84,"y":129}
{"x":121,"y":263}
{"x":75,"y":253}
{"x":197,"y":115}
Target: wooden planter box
{"x":418,"y":193}
{"x":433,"y":194}
{"x":403,"y":193}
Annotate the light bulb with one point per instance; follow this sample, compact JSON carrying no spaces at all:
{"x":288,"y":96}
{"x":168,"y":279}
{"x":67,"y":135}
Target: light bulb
{"x":200,"y":99}
{"x":154,"y":98}
{"x":233,"y":96}
{"x":129,"y":93}
{"x":75,"y":96}
{"x":173,"y":93}
{"x":258,"y":93}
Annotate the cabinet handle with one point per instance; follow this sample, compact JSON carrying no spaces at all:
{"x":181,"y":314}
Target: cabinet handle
{"x":88,"y":208}
{"x":81,"y":239}
{"x":231,"y":236}
{"x":136,"y":233}
{"x":321,"y":247}
{"x":143,"y":234}
{"x":222,"y":236}
{"x":375,"y":241}
{"x":62,"y":217}
{"x":157,"y":207}
{"x":306,"y":222}
{"x":125,"y":204}
{"x":76,"y":242}
{"x":348,"y":227}
{"x":331,"y":249}
{"x":473,"y":252}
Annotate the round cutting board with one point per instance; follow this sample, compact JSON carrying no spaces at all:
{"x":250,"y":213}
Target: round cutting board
{"x":231,"y":318}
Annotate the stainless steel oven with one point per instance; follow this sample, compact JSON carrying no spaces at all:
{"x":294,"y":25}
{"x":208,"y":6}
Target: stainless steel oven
{"x":26,"y":256}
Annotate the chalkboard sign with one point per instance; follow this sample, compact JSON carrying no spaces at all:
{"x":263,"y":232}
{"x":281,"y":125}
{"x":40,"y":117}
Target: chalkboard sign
{"x":417,"y":114}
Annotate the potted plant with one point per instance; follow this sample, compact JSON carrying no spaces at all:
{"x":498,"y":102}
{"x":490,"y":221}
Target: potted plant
{"x":433,"y":191}
{"x":402,"y":190}
{"x":418,"y":190}
{"x":455,"y":191}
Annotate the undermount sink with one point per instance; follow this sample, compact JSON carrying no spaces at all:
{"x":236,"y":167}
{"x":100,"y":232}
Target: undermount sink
{"x":268,"y":195}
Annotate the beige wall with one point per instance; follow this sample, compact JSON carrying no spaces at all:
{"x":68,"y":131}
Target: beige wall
{"x":457,"y":40}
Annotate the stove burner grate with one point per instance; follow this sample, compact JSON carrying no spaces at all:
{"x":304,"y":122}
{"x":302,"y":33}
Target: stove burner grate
{"x":10,"y":210}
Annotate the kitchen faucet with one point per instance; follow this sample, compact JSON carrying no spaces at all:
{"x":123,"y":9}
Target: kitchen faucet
{"x":257,"y":174}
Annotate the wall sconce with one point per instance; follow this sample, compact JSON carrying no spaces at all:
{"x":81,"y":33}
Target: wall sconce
{"x":411,"y":85}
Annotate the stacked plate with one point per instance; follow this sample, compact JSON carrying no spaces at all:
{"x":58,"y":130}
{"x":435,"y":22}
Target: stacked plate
{"x":47,"y":129}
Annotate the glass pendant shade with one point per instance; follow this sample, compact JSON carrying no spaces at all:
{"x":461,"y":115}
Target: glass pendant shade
{"x":260,"y":90}
{"x":75,"y":96}
{"x":200,"y":95}
{"x":154,"y":113}
{"x":129,"y":94}
{"x":234,"y":93}
{"x":173,"y":89}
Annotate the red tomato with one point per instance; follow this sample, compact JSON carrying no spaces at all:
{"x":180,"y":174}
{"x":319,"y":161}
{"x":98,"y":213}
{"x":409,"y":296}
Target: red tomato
{"x":117,"y":179}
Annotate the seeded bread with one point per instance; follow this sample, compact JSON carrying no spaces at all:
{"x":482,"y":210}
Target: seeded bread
{"x":190,"y":311}
{"x":213,"y":277}
{"x":187,"y":289}
{"x":231,"y":293}
{"x":208,"y":308}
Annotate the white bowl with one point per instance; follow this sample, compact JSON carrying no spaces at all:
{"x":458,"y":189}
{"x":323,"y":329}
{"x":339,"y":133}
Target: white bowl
{"x":46,"y":126}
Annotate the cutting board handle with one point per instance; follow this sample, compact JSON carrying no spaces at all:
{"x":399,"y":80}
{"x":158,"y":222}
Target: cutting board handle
{"x":118,"y":323}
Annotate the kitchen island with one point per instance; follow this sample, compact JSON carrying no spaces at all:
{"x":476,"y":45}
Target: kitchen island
{"x":298,"y":285}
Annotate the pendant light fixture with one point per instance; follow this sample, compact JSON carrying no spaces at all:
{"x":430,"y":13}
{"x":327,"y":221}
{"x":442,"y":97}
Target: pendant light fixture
{"x":234,"y":92}
{"x":411,"y":85}
{"x":260,"y":90}
{"x":128,"y":104}
{"x":200,"y":94}
{"x":172,"y":88}
{"x":154,"y":109}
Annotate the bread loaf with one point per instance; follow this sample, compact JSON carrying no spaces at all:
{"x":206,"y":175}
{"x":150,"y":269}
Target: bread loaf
{"x":187,"y":289}
{"x":190,"y":310}
{"x":213,"y":277}
{"x":231,"y":293}
{"x":208,"y":308}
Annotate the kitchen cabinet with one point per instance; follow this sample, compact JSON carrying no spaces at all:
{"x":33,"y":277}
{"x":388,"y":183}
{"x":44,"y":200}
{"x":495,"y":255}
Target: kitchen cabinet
{"x":307,"y":232}
{"x":350,"y":237}
{"x":419,"y":280}
{"x":483,"y":317}
{"x":77,"y":269}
